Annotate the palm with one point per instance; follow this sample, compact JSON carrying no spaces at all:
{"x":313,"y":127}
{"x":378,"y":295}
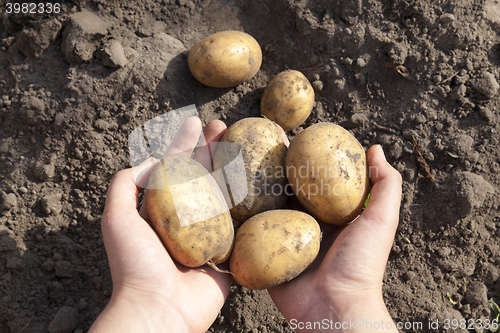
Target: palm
{"x":142,"y":266}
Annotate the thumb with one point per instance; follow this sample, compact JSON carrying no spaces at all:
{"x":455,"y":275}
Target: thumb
{"x":382,"y":211}
{"x":370,"y":236}
{"x":379,"y":220}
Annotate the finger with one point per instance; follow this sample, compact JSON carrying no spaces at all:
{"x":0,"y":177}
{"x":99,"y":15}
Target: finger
{"x":124,"y":189}
{"x":371,"y":235}
{"x":141,"y":175}
{"x":122,"y":194}
{"x":143,"y":211}
{"x":120,"y":212}
{"x":186,"y":138}
{"x":383,"y":208}
{"x":183,"y":144}
{"x":208,"y":142}
{"x":142,"y":171}
{"x":380,"y":218}
{"x":212,"y":134}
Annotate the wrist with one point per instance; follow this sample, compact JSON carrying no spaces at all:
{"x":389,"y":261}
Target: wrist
{"x":363,"y":312}
{"x":127,"y":313}
{"x":366,"y":313}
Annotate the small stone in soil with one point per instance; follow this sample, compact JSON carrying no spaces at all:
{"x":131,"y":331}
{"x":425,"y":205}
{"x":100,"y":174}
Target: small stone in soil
{"x":65,"y":320}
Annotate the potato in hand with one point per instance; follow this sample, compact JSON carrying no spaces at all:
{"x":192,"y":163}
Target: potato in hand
{"x":328,"y":172}
{"x":274,"y":247}
{"x":189,"y":213}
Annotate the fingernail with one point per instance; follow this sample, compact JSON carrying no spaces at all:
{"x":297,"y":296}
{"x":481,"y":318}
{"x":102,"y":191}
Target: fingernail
{"x":381,"y":152}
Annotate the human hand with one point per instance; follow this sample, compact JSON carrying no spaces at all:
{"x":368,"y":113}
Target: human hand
{"x":151,"y":291}
{"x":344,"y":284}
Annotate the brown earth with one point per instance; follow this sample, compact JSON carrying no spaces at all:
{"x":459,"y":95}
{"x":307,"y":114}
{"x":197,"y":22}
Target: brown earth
{"x":75,"y":84}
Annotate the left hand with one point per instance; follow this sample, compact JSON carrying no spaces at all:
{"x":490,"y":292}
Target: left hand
{"x":151,"y":291}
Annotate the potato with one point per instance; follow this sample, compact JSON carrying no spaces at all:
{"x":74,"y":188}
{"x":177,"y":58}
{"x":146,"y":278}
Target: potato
{"x":189,"y":213}
{"x":274,"y":247}
{"x":225,"y":59}
{"x":288,"y":99}
{"x":328,"y":172}
{"x":259,"y":184}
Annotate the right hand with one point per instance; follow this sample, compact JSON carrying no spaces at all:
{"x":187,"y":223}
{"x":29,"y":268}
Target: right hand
{"x":345,"y":281}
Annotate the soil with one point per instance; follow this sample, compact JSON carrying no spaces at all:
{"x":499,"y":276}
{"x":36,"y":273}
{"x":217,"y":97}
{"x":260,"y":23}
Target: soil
{"x":418,"y":77}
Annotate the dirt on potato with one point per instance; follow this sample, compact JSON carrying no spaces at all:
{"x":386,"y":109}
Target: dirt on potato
{"x":420,"y":77}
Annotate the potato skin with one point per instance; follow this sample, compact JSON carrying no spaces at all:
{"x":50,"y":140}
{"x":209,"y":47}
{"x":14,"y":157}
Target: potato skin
{"x":274,"y":247}
{"x":196,"y":227}
{"x":288,"y":99}
{"x":328,"y":172}
{"x":264,"y":154}
{"x":225,"y":59}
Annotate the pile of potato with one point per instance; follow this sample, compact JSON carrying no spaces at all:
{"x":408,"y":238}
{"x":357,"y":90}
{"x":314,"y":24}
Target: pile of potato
{"x":325,"y":167}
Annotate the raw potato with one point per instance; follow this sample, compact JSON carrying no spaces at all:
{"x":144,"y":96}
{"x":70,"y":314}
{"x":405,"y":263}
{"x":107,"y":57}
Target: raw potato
{"x":225,"y":59}
{"x":274,"y":247}
{"x":263,"y":156}
{"x":328,"y":172}
{"x":189,"y":213}
{"x":288,"y":99}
